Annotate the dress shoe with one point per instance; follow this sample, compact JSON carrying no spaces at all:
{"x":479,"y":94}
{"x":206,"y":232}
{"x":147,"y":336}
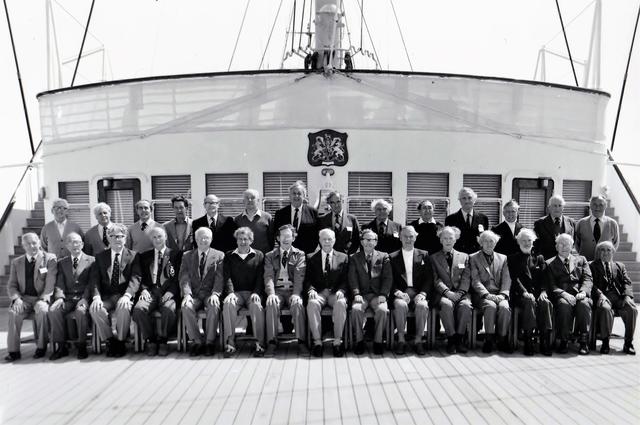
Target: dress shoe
{"x":584,"y":349}
{"x":401,"y":348}
{"x":82,"y":352}
{"x":359,"y":348}
{"x":151,"y":349}
{"x":163,"y":349}
{"x":563,"y":347}
{"x":209,"y":350}
{"x":229,"y":351}
{"x":112,"y":347}
{"x":604,"y":349}
{"x":40,"y":352}
{"x":317,"y":350}
{"x":378,"y":348}
{"x":12,"y":356}
{"x":60,"y":352}
{"x":421,"y":348}
{"x":195,"y":350}
{"x":258,"y":350}
{"x":121,"y":349}
{"x":338,"y":350}
{"x":272,"y":347}
{"x":303,"y":350}
{"x":487,"y":347}
{"x":627,"y":348}
{"x":505,"y":346}
{"x":528,"y":347}
{"x":451,"y":345}
{"x":460,"y":347}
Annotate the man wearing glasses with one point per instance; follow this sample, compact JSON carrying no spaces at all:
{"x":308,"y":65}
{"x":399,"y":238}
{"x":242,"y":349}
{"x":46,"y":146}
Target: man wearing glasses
{"x":221,"y":226}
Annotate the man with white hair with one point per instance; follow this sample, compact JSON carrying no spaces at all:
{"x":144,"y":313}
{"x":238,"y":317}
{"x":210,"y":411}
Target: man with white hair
{"x":96,"y":241}
{"x":596,"y":228}
{"x":388,"y":231}
{"x":302,"y":216}
{"x":470,"y":222}
{"x":549,"y":227}
{"x":508,"y":230}
{"x":53,"y":233}
{"x":260,"y":222}
{"x":221,"y":226}
{"x":345,"y":225}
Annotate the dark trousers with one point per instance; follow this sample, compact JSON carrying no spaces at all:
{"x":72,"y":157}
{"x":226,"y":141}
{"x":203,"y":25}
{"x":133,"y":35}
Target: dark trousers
{"x":142,"y":315}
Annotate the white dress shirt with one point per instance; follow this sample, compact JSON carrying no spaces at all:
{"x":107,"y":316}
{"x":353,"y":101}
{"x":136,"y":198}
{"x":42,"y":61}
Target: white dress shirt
{"x":407,"y":256}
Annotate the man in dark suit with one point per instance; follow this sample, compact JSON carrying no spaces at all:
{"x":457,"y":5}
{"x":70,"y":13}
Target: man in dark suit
{"x":570,"y":283}
{"x":179,"y":229}
{"x":370,"y":281}
{"x":549,"y":227}
{"x":96,"y":241}
{"x":115,"y":278}
{"x":412,"y":287}
{"x":613,"y":292}
{"x":138,"y":237}
{"x":345,"y":226}
{"x":388,"y":231}
{"x":71,"y":295}
{"x":508,"y":230}
{"x":596,"y":228}
{"x":302,"y":216}
{"x":221,"y":226}
{"x":470,"y":222}
{"x":529,"y":293}
{"x":160,"y":267}
{"x":325,"y":283}
{"x":427,"y":228}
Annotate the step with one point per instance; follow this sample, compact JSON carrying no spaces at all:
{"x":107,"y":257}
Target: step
{"x":625,"y":256}
{"x":37,"y":214}
{"x":7,"y":269}
{"x":4,"y":301}
{"x":625,"y":247}
{"x":4,"y":279}
{"x":18,"y":249}
{"x":35,"y":230}
{"x":624,"y":237}
{"x":35,"y":222}
{"x":38,"y":205}
{"x":632,"y":266}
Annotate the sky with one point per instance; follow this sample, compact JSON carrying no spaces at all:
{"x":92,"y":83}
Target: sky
{"x":160,"y":37}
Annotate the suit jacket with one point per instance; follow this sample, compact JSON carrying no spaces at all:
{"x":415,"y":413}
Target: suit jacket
{"x":507,"y":244}
{"x":307,"y":238}
{"x":390,"y":241}
{"x":172,"y":236}
{"x":223,"y":239}
{"x":489,"y":279}
{"x":620,"y":284}
{"x":468,"y":241}
{"x":585,"y":243}
{"x":378,"y":282}
{"x":348,"y":237}
{"x":427,"y":239}
{"x":546,"y":232}
{"x":335,"y":280}
{"x":169,"y":276}
{"x":93,"y":244}
{"x":100,"y":275}
{"x":44,"y":276}
{"x":577,"y":279}
{"x":422,"y":272}
{"x":53,"y":242}
{"x":74,"y":286}
{"x":527,"y":274}
{"x":457,"y":278}
{"x":296,"y":269}
{"x":201,"y":287}
{"x":138,"y":240}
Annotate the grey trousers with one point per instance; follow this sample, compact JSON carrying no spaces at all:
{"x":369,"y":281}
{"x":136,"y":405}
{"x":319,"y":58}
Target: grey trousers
{"x":190,"y":318}
{"x":455,"y":317}
{"x":102,"y":319}
{"x":297,"y":314}
{"x":401,"y":310}
{"x":230,"y":317}
{"x":338,"y":315}
{"x":68,"y":312}
{"x":380,"y":315}
{"x":41,"y":328}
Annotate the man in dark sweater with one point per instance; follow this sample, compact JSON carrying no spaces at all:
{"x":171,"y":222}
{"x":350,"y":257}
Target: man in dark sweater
{"x":260,"y":222}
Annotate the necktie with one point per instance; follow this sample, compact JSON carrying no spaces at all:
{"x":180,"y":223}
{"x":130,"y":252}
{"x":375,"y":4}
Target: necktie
{"x":296,"y":219}
{"x":75,"y":263}
{"x":469,"y":221}
{"x":201,"y":268}
{"x":449,"y":259}
{"x":369,"y":265}
{"x":337,"y":226}
{"x":607,"y":271}
{"x":557,"y":223}
{"x":327,"y":264}
{"x":566,"y":265}
{"x":596,"y":230}
{"x":159,"y":269}
{"x":285,"y":258}
{"x":212,"y":225}
{"x":115,"y":271}
{"x":143,"y":226}
{"x":489,"y":259}
{"x":381,"y":229}
{"x":32,"y":263}
{"x":105,"y":241}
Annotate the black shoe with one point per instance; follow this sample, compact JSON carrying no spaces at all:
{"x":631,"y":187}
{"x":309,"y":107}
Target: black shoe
{"x":451,"y":345}
{"x":545,"y":346}
{"x":151,"y":349}
{"x":605,"y":346}
{"x":209,"y":350}
{"x":303,"y":350}
{"x":121,"y":349}
{"x":487,"y":347}
{"x":401,"y":348}
{"x":627,"y":348}
{"x":62,"y":351}
{"x":272,"y":347}
{"x":460,"y":347}
{"x":528,"y":347}
{"x":359,"y":348}
{"x":338,"y":350}
{"x":378,"y":348}
{"x":163,"y":349}
{"x":505,"y":346}
{"x":258,"y":351}
{"x":563,"y":347}
{"x":317,"y":350}
{"x":584,"y":348}
{"x":12,"y":356}
{"x":112,"y":347}
{"x":82,"y":352}
{"x":195,"y":350}
{"x":40,"y":352}
{"x":421,"y":348}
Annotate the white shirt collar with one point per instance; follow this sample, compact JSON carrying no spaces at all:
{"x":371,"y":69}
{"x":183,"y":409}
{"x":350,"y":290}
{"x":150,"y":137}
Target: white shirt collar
{"x":160,"y":251}
{"x":209,"y":218}
{"x":78,"y":257}
{"x":257,"y":213}
{"x":464,"y":214}
{"x":432,"y":221}
{"x":251,"y":251}
{"x":592,"y":219}
{"x":203,"y":252}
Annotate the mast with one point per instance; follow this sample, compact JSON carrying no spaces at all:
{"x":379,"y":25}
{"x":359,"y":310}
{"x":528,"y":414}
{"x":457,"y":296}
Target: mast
{"x":329,"y":23}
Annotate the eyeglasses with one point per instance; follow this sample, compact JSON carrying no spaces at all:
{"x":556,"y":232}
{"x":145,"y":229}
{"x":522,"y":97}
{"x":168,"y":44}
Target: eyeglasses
{"x":370,"y":240}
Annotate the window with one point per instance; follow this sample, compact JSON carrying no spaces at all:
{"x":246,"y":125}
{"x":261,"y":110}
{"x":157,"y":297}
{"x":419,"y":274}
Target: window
{"x":77,"y":195}
{"x":163,"y":188}
{"x":228,"y":187}
{"x":431,"y":186}
{"x":576,"y":194}
{"x":276,"y":188}
{"x":532,"y":206}
{"x":488,"y":187}
{"x":364,"y":187}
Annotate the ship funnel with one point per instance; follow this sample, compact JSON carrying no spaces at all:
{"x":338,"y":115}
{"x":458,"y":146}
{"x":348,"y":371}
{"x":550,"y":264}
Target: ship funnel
{"x":329,"y":28}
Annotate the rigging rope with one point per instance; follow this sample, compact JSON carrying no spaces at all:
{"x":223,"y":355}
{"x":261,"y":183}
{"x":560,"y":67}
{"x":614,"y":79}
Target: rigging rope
{"x":270,"y":34}
{"x":235,"y":46}
{"x":373,"y":46}
{"x":304,"y":5}
{"x":573,"y":68}
{"x":401,"y":36}
{"x":84,"y":38}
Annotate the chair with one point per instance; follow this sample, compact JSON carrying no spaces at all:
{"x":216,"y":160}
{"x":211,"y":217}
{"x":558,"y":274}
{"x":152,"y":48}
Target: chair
{"x":593,"y":334}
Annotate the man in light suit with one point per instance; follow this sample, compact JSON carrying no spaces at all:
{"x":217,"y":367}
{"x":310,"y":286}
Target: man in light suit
{"x":491,"y":285}
{"x":221,"y":226}
{"x":138,"y":234}
{"x":549,"y":227}
{"x":388,"y":231}
{"x":96,"y":240}
{"x":508,"y":230}
{"x":284,"y":271}
{"x":202,"y":286}
{"x":470,"y":222}
{"x":412,"y":286}
{"x":72,"y":297}
{"x":179,"y":233}
{"x":53,"y":233}
{"x":613,"y":292}
{"x":370,"y":281}
{"x":31,"y":282}
{"x":115,"y":278}
{"x":452,"y":283}
{"x":325,"y":283}
{"x":596,"y":228}
{"x":160,"y":267}
{"x":570,"y":283}
{"x":345,"y":226}
{"x":301,"y":216}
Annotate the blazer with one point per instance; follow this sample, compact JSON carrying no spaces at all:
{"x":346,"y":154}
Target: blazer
{"x":585,"y":243}
{"x":489,"y":279}
{"x":507,"y":244}
{"x":307,"y":238}
{"x":93,"y":244}
{"x":348,"y":237}
{"x":138,"y":240}
{"x":427,"y":239}
{"x":53,"y":242}
{"x":546,"y":232}
{"x":390,"y":241}
{"x":577,"y":278}
{"x":296,"y":269}
{"x":335,"y":280}
{"x":74,"y":286}
{"x":44,"y":276}
{"x":100,"y":275}
{"x":620,"y":284}
{"x":378,"y":282}
{"x":169,"y":276}
{"x":457,"y":278}
{"x":223,"y":239}
{"x":527,"y":274}
{"x":172,"y":236}
{"x":468,"y":241}
{"x":422,"y":272}
{"x":201,"y":287}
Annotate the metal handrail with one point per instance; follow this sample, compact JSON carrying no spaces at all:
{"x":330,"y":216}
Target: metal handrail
{"x":624,"y":182}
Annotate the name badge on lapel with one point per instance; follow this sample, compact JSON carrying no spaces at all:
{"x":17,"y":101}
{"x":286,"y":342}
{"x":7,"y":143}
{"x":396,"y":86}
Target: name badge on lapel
{"x":349,"y":229}
{"x":461,"y":266}
{"x":42,"y":270}
{"x":396,"y":235}
{"x":480,"y":228}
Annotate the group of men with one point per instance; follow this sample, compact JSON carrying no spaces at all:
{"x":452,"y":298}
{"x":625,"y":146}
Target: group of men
{"x":309,"y":264}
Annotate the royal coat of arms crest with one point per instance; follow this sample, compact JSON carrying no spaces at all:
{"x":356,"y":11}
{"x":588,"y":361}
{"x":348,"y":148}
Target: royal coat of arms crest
{"x":327,"y":147}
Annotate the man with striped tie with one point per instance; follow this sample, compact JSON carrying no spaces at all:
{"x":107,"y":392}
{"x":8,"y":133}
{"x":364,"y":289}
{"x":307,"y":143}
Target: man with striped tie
{"x":96,"y":241}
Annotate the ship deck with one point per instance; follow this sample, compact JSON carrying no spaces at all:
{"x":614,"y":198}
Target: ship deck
{"x":438,"y":388}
